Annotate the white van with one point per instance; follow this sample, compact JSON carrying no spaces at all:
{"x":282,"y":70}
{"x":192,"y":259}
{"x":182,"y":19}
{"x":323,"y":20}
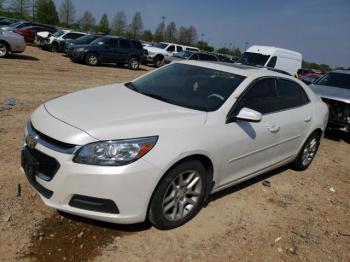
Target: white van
{"x":274,"y":57}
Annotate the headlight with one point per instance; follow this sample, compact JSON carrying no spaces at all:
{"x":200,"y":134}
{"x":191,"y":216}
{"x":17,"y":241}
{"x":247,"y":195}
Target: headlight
{"x":80,"y":49}
{"x":115,"y":152}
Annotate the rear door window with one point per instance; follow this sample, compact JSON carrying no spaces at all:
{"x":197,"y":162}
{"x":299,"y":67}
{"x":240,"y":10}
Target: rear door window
{"x":290,"y":94}
{"x":123,"y":43}
{"x":137,"y":44}
{"x":179,"y":48}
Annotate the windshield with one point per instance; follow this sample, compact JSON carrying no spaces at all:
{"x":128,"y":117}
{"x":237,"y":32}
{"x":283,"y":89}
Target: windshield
{"x":335,"y":79}
{"x":58,"y":33}
{"x":16,"y":24}
{"x":188,"y":86}
{"x":160,"y":45}
{"x":183,"y":54}
{"x":86,"y":39}
{"x":253,"y":59}
{"x":98,"y":41}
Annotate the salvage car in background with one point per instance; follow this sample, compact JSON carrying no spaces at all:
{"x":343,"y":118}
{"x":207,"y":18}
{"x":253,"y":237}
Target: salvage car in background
{"x":29,"y":33}
{"x":158,"y":146}
{"x":110,"y":49}
{"x":11,"y":43}
{"x":334,"y":89}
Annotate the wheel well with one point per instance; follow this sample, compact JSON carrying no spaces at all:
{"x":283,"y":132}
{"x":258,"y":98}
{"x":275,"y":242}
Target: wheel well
{"x":318,"y":131}
{"x":134,"y":56}
{"x":159,"y":56}
{"x":91,"y":52}
{"x":207,"y":163}
{"x":7,"y":44}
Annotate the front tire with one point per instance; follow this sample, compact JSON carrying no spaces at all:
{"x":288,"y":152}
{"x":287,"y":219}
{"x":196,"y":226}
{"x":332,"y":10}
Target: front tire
{"x":158,"y":61}
{"x":307,"y":152}
{"x":179,"y":196}
{"x":91,"y":59}
{"x":54,"y":48}
{"x":4,"y":49}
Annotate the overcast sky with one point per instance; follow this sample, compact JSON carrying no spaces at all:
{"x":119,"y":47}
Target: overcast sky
{"x":319,"y":29}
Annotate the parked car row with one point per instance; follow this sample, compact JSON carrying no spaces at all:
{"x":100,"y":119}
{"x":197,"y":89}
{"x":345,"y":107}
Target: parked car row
{"x":200,"y":56}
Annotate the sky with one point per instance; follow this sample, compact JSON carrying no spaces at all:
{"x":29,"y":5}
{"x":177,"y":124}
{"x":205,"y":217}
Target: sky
{"x":319,"y":29}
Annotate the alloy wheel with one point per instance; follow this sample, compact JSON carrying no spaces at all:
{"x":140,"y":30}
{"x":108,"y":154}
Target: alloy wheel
{"x":309,"y":151}
{"x":3,"y":50}
{"x":182,"y":195}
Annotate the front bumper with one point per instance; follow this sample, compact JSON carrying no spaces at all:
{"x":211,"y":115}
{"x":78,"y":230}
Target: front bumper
{"x":129,"y":187}
{"x":76,"y":56}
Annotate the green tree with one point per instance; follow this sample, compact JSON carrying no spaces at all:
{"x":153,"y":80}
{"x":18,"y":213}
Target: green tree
{"x":202,"y":45}
{"x":2,"y":5}
{"x":103,"y":26}
{"x":147,"y":36}
{"x":46,"y":12}
{"x":119,"y":23}
{"x":67,"y":12}
{"x":87,"y":22}
{"x":159,"y":32}
{"x":136,"y":25}
{"x":171,"y":32}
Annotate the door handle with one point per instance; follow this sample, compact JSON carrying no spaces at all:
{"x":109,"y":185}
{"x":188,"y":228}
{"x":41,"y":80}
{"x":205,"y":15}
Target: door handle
{"x":308,"y":119}
{"x":273,"y":128}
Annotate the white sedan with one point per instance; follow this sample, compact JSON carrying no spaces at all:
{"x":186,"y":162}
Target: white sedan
{"x":157,"y":147}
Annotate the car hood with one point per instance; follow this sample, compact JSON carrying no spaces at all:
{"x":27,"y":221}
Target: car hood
{"x":44,"y":34}
{"x":331,"y":92}
{"x":155,"y":49}
{"x":116,"y":112}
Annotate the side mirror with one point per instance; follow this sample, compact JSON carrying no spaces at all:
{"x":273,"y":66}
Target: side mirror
{"x":247,"y":114}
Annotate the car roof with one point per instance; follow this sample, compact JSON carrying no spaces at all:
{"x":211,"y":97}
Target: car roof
{"x":239,"y":69}
{"x":341,"y":71}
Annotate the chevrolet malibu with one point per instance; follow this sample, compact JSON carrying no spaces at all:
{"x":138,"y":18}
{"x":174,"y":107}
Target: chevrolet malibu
{"x":157,"y":147}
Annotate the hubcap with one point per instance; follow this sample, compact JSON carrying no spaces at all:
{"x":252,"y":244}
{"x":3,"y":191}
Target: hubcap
{"x":134,"y":64}
{"x":309,"y":151}
{"x":182,"y":195}
{"x":93,"y":60}
{"x":2,"y":49}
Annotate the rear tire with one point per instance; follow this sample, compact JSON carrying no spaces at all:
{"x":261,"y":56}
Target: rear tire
{"x":92,"y":59}
{"x":134,"y":63}
{"x":179,"y":196}
{"x":307,"y":152}
{"x":4,"y":49}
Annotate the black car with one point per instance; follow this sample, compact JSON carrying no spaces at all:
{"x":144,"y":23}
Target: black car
{"x":84,"y":40}
{"x":109,"y":49}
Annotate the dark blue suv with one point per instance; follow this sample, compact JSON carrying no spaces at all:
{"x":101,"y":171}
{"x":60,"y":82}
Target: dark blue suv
{"x":84,"y":40}
{"x":110,"y":49}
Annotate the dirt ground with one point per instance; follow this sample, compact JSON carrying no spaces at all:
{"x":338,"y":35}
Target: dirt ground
{"x":301,"y":216}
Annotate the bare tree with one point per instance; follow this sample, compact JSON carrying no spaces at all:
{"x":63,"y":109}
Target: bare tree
{"x":171,"y":32}
{"x":21,"y":7}
{"x":87,"y":22}
{"x":192,"y":35}
{"x":136,"y":25}
{"x":67,"y":12}
{"x":119,"y":23}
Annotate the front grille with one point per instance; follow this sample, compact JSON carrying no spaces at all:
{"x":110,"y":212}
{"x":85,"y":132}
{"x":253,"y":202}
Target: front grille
{"x":51,"y":140}
{"x":47,"y":165}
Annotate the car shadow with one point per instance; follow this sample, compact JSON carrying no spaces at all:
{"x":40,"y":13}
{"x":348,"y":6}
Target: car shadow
{"x":245,"y":184}
{"x":22,"y":57}
{"x":337,"y":135}
{"x":129,"y":228}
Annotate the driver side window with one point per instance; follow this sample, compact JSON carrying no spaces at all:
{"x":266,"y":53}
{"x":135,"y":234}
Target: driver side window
{"x":260,"y":97}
